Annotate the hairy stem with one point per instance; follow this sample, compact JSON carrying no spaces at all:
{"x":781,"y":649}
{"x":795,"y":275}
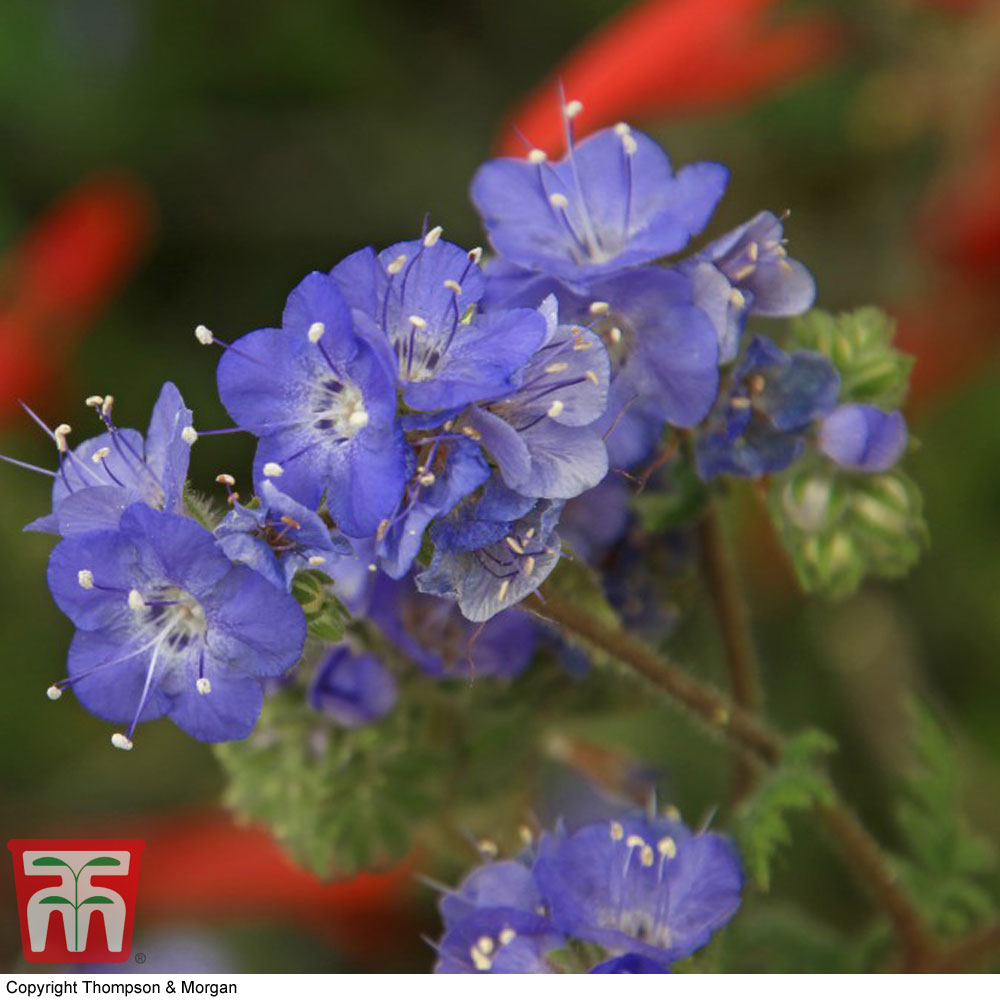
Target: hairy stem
{"x":746,"y":730}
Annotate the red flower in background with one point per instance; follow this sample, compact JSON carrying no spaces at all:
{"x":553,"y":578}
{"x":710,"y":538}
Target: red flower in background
{"x":63,"y":272}
{"x":670,"y":57}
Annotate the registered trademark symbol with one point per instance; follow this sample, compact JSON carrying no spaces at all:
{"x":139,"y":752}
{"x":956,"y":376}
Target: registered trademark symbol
{"x":140,"y":958}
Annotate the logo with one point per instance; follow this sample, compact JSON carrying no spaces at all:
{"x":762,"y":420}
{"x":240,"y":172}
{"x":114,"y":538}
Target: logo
{"x":76,"y":898}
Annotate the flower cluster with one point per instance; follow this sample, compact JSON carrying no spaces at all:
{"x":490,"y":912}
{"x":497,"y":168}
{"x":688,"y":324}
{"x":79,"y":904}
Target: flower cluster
{"x":646,"y":891}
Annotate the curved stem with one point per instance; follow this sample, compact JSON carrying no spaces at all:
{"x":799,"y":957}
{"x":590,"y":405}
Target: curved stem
{"x":766,"y":746}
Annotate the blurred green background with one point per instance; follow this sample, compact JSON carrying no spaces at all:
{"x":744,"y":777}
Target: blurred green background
{"x":275,"y":139}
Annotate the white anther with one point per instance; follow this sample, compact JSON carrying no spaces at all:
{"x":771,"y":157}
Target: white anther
{"x":529,"y":534}
{"x":100,"y":455}
{"x":646,"y":856}
{"x":94,"y":401}
{"x":109,"y":401}
{"x":475,"y":254}
{"x":204,"y":335}
{"x":507,"y":935}
{"x":556,"y":368}
{"x":667,"y":847}
{"x":427,"y":479}
{"x":514,"y":545}
{"x":358,"y":419}
{"x":737,"y":299}
{"x":672,"y":813}
{"x":617,"y":830}
{"x":317,"y":560}
{"x":615,"y":335}
{"x":744,"y":272}
{"x":453,"y":286}
{"x":592,"y":377}
{"x":135,"y":600}
{"x":60,"y":435}
{"x":572,"y":108}
{"x":529,"y":566}
{"x":558,"y":200}
{"x":433,"y":236}
{"x":120,"y":741}
{"x":537,"y":156}
{"x":479,"y":960}
{"x":418,"y":321}
{"x":54,"y":693}
{"x":634,"y":840}
{"x":556,"y":408}
{"x":502,"y":591}
{"x":204,"y":685}
{"x":189,"y":435}
{"x":753,"y":251}
{"x":629,"y":144}
{"x":488,"y":847}
{"x":599,"y":308}
{"x":623,"y":128}
{"x":372,"y":568}
{"x":272,"y":470}
{"x":485,"y":944}
{"x":524,"y":832}
{"x":86,"y":579}
{"x":395,"y":266}
{"x":315,"y":333}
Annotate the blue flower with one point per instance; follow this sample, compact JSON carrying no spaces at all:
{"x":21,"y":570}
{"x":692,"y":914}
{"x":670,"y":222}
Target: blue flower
{"x":324,"y":407}
{"x":418,"y":304}
{"x":498,"y":941}
{"x":773,"y":400}
{"x":863,"y":438}
{"x":434,"y":635}
{"x":278,"y":537}
{"x":542,"y":436}
{"x":167,"y":625}
{"x":356,"y":689}
{"x":748,"y":272}
{"x":99,"y":478}
{"x":630,"y":964}
{"x":492,"y":551}
{"x":645,"y":886}
{"x":508,"y":885}
{"x":613,"y":202}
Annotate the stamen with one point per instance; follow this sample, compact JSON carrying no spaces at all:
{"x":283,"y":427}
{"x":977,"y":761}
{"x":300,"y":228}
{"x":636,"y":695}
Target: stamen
{"x":317,"y":560}
{"x":514,"y":545}
{"x":529,"y":566}
{"x":95,"y":401}
{"x":572,"y":108}
{"x":109,"y":402}
{"x":479,"y":960}
{"x":100,"y":455}
{"x":617,"y":830}
{"x":592,"y":377}
{"x":556,"y":368}
{"x":558,"y":200}
{"x":487,"y":847}
{"x":28,"y":466}
{"x":358,"y":419}
{"x":433,"y":236}
{"x":629,"y":144}
{"x":395,"y":266}
{"x":476,"y":254}
{"x":189,"y":435}
{"x":120,"y":741}
{"x":86,"y":579}
{"x":507,"y":935}
{"x":485,"y":944}
{"x":54,"y":693}
{"x":225,"y":479}
{"x":203,"y":335}
{"x":623,"y":128}
{"x":419,"y":322}
{"x":204,"y":685}
{"x":599,"y":308}
{"x":136,"y":601}
{"x":272,"y":470}
{"x":646,"y":856}
{"x":667,"y":847}
{"x":634,"y":840}
{"x":556,"y":408}
{"x":60,"y":435}
{"x":453,"y":286}
{"x":737,"y":299}
{"x":427,"y":479}
{"x":315,"y":332}
{"x":502,"y":592}
{"x":537,"y":156}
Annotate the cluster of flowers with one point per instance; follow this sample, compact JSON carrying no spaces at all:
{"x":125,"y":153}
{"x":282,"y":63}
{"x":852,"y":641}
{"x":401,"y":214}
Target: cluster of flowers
{"x":422,"y":417}
{"x":645,"y":891}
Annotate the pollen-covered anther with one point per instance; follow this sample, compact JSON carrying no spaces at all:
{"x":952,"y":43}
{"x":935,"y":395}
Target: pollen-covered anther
{"x":556,"y":408}
{"x":396,"y":265}
{"x":488,"y":847}
{"x":54,"y":693}
{"x":629,"y":144}
{"x":617,"y":830}
{"x":529,"y":566}
{"x":358,"y":419}
{"x":623,"y":128}
{"x":537,"y":156}
{"x":599,"y":308}
{"x":419,"y":322}
{"x":289,"y":521}
{"x":558,"y":200}
{"x":486,"y":945}
{"x":136,"y":601}
{"x":482,"y":962}
{"x":556,"y":368}
{"x":95,"y":401}
{"x":224,"y":479}
{"x":471,"y":433}
{"x":502,"y":590}
{"x":272,"y":470}
{"x":475,"y":254}
{"x":433,"y":235}
{"x":100,"y":455}
{"x":506,"y":935}
{"x":372,"y":568}
{"x":203,"y":335}
{"x":572,"y":108}
{"x":453,"y":286}
{"x":189,"y":435}
{"x":592,"y":377}
{"x":525,"y":833}
{"x":737,"y":299}
{"x":615,"y":335}
{"x":86,"y":579}
{"x":514,"y":545}
{"x":383,"y":527}
{"x":634,"y":840}
{"x":109,"y":402}
{"x":204,"y":685}
{"x":60,"y":435}
{"x":753,"y":251}
{"x":317,"y":560}
{"x":672,"y":813}
{"x":667,"y":846}
{"x":582,"y":345}
{"x":315,"y":332}
{"x":120,"y":741}
{"x":427,"y":479}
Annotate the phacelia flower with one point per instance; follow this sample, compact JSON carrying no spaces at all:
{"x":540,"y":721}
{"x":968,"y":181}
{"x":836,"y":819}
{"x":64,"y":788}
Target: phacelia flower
{"x":323,"y":406}
{"x":773,"y":400}
{"x":492,"y":551}
{"x":278,"y":537}
{"x":748,"y":272}
{"x":99,"y":478}
{"x":356,"y":689}
{"x":645,"y":886}
{"x":167,"y":625}
{"x":498,"y":941}
{"x":863,"y":438}
{"x":613,"y":202}
{"x":418,"y":304}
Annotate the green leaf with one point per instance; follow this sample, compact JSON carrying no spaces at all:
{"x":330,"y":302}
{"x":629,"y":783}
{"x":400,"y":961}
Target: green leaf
{"x":859,"y":344}
{"x":103,"y":863}
{"x":49,"y":862}
{"x":96,"y":900}
{"x":56,"y":899}
{"x":326,"y":617}
{"x":797,"y":785}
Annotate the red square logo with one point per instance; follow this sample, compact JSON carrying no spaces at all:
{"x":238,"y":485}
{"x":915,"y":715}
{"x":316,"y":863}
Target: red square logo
{"x":76,"y":898}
